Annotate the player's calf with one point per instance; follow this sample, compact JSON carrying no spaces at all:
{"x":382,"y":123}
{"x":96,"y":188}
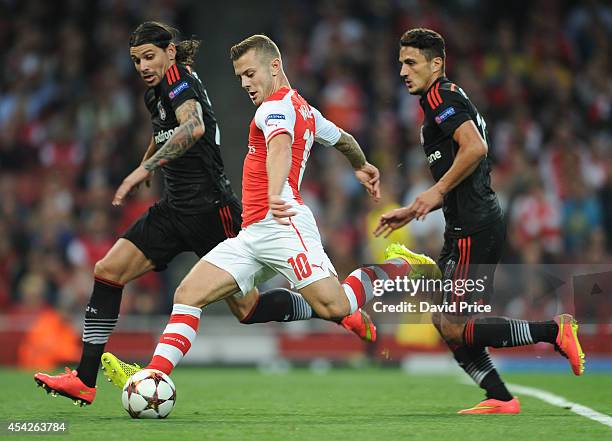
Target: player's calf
{"x":500,"y":332}
{"x":243,"y":307}
{"x":283,"y":305}
{"x":327,"y":299}
{"x":332,"y":311}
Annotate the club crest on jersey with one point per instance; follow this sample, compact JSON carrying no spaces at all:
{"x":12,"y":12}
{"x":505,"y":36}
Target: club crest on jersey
{"x":448,"y":112}
{"x":162,"y":111}
{"x":274,"y":116}
{"x":178,"y":89}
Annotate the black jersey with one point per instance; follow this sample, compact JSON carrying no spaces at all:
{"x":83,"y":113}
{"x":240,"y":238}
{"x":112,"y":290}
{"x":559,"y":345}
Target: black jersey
{"x":472,"y":205}
{"x":194,"y":182}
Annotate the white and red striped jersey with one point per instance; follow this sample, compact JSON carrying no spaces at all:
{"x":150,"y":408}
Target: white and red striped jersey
{"x":285,"y":111}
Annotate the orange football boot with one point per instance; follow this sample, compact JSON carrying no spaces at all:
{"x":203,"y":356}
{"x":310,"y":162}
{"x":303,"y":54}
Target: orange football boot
{"x":567,"y":343}
{"x":67,"y":385}
{"x":361,"y":324}
{"x":494,"y":406}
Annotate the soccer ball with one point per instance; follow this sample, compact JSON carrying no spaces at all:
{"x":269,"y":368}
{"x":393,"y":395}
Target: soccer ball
{"x":148,"y":394}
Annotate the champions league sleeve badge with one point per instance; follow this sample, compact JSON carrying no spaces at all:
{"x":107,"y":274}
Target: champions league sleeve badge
{"x":162,"y":111}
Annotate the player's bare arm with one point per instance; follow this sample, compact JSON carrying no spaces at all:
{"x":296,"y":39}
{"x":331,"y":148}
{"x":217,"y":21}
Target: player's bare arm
{"x":365,"y":172}
{"x":150,"y":150}
{"x":191,"y":128}
{"x":393,"y":220}
{"x":148,"y":153}
{"x":278,"y":164}
{"x":472,"y":150}
{"x":349,"y":147}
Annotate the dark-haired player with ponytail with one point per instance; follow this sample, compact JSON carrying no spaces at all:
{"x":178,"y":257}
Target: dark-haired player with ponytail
{"x":197,"y":211}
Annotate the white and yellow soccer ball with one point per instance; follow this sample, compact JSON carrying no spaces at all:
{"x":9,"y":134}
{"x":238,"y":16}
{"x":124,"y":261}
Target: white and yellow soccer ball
{"x":148,"y":394}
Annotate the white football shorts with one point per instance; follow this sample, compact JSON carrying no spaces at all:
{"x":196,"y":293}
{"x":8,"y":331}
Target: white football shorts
{"x":266,"y":248}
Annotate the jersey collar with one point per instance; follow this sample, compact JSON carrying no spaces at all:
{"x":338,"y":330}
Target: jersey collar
{"x":278,"y":94}
{"x":439,"y":80}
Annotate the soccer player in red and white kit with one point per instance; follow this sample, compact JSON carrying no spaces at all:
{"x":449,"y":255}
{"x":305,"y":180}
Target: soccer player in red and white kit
{"x":279,"y":233}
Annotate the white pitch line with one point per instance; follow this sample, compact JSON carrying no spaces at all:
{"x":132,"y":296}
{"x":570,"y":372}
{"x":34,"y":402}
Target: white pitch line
{"x":558,"y":401}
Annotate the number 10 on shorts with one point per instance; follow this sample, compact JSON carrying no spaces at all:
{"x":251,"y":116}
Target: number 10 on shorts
{"x":300,"y":266}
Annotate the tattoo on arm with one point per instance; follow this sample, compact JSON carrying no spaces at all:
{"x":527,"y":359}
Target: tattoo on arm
{"x":350,"y":148}
{"x":191,"y":128}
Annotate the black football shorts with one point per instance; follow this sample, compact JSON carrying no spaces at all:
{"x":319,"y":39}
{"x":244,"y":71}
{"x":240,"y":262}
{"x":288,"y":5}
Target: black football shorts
{"x":163,"y":232}
{"x":470,"y":262}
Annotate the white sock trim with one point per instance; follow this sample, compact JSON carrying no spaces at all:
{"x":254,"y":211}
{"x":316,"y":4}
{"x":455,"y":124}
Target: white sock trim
{"x":179,"y":308}
{"x":350,"y":295}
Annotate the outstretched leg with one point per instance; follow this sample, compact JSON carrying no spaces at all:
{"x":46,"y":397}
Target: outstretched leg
{"x":203,"y":285}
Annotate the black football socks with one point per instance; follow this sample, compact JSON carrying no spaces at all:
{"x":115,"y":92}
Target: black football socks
{"x":101,"y":317}
{"x":279,"y":305}
{"x":502,"y":332}
{"x":477,"y":363}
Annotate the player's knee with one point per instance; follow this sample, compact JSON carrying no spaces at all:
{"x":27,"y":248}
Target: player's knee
{"x":187,"y":294}
{"x":451,"y":332}
{"x":193,"y":292}
{"x":105,"y":269}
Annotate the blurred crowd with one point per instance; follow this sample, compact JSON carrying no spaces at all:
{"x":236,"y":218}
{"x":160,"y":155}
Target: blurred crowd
{"x":539,"y":75}
{"x":538,"y":72}
{"x":70,"y":104}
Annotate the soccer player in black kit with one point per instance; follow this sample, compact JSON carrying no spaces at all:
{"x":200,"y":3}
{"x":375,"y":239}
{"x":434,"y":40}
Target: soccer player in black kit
{"x":197,"y":211}
{"x":455,"y":139}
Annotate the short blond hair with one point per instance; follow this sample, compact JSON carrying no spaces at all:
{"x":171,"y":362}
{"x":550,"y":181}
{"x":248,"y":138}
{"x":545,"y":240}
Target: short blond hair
{"x":259,"y":42}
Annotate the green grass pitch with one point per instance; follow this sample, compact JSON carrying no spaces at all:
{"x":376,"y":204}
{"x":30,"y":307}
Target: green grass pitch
{"x":352,"y":405}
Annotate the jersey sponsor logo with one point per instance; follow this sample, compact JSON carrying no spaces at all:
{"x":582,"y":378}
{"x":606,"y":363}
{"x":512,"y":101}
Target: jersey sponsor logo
{"x":163,"y":136}
{"x":447,"y":113}
{"x":178,"y":89}
{"x":252,"y":150}
{"x":162,"y":111}
{"x":274,"y":116}
{"x":434,"y":156}
{"x":305,"y":111}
